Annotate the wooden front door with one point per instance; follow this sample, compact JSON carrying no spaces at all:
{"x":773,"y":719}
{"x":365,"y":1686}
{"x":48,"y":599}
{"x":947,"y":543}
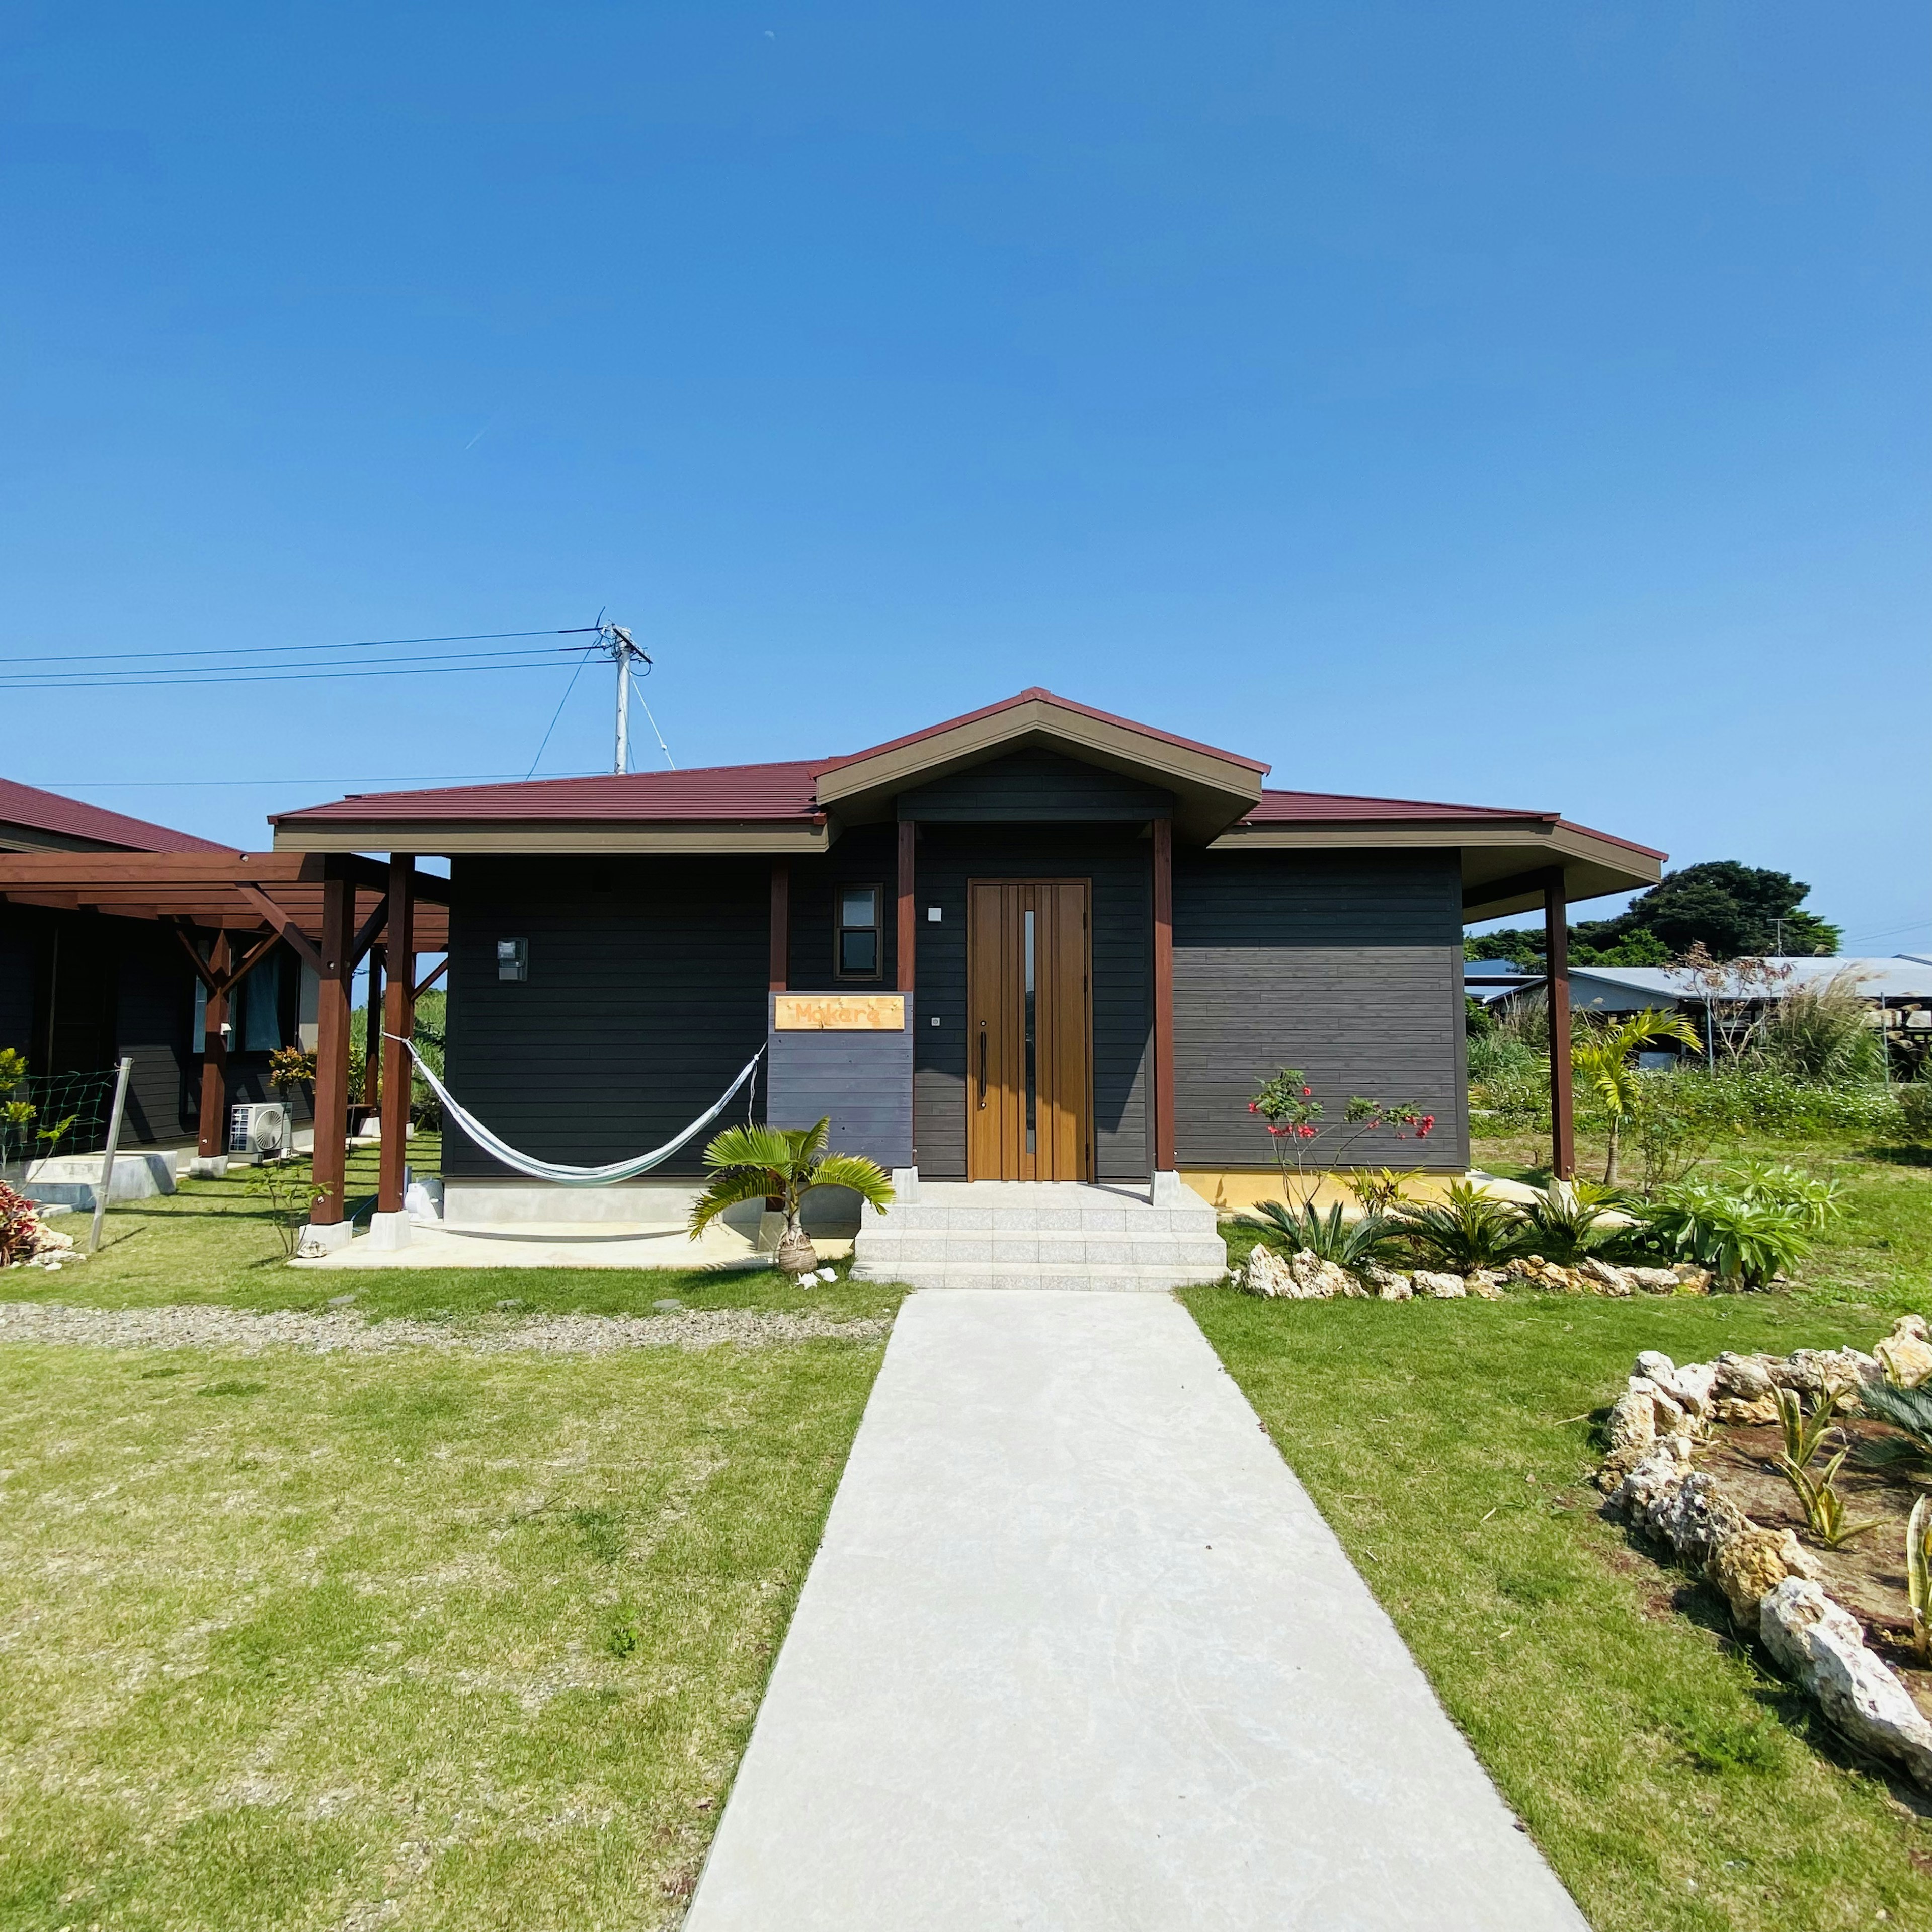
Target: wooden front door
{"x":1027,"y":1083}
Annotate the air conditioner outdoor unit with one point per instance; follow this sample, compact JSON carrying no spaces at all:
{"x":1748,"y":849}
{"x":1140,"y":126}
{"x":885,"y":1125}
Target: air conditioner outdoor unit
{"x":259,"y":1128}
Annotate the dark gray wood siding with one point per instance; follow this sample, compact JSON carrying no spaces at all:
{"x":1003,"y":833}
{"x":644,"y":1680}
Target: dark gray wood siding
{"x":1348,"y":966}
{"x":861,"y":1081}
{"x":866,"y":855}
{"x":646,"y":995}
{"x":1037,"y":786}
{"x":1117,"y":860}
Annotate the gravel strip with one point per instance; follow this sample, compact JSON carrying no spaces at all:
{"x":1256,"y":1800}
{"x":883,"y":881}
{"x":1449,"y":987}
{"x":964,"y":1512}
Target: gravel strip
{"x":346,"y":1333}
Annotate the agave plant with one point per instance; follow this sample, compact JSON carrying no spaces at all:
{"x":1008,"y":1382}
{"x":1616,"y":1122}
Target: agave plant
{"x":1804,"y":1432}
{"x":1466,"y":1229}
{"x":784,"y":1165}
{"x":1349,"y":1244}
{"x":1381,"y":1190}
{"x":1918,"y":1573}
{"x":1824,"y":1508}
{"x":1739,"y":1240}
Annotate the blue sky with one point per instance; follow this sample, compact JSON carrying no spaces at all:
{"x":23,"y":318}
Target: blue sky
{"x":1524,"y":404}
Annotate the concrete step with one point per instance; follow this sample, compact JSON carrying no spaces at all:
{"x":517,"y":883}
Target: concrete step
{"x":1102,"y":1217}
{"x":1049,"y":1248}
{"x":1090,"y":1276}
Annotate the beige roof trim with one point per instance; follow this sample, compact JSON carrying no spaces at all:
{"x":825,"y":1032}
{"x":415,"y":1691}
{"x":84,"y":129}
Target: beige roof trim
{"x":1211,"y":791}
{"x":1495,"y":853}
{"x":602,"y":836}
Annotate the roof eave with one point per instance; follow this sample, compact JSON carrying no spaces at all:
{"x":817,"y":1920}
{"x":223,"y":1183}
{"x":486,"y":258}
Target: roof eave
{"x":604,"y":837}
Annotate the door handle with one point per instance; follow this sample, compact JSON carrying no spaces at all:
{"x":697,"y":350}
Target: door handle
{"x":983,"y":1065}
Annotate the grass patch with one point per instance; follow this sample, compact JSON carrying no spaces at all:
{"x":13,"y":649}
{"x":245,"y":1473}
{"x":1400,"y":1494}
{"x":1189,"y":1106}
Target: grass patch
{"x":352,"y":1642}
{"x":214,"y":1241}
{"x":1671,"y":1782}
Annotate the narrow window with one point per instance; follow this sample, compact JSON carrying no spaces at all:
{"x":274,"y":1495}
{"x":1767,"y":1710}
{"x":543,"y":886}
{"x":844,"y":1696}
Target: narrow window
{"x":859,"y":932}
{"x":1032,"y":1058}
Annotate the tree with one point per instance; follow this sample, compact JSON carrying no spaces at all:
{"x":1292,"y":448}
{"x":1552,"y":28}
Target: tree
{"x":1601,"y":1061}
{"x":1732,"y":910}
{"x":784,"y":1165}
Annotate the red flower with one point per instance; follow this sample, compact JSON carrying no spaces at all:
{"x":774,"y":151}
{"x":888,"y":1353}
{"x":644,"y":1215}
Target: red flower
{"x":1308,"y":1092}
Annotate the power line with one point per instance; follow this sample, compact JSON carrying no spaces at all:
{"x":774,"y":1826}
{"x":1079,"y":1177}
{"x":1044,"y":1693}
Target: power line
{"x":264,"y":650}
{"x":177,"y":784}
{"x":373,"y":668}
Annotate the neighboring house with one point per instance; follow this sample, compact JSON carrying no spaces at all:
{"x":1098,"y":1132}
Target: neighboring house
{"x":81,"y":987}
{"x":1036,"y":942}
{"x":1898,"y":991}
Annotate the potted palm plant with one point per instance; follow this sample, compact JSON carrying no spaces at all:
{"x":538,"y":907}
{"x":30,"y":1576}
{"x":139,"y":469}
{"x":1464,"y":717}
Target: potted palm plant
{"x":781,"y":1166}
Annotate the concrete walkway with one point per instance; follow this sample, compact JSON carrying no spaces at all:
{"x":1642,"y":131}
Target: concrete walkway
{"x":1077,"y":1652}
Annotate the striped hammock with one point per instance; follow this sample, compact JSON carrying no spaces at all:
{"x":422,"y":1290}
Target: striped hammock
{"x":556,"y":1171}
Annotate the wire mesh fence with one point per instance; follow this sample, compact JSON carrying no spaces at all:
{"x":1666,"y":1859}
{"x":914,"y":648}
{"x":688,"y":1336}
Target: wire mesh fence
{"x":44,"y":1115}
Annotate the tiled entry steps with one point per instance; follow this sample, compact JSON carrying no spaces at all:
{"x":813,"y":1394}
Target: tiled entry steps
{"x":1055,"y":1233}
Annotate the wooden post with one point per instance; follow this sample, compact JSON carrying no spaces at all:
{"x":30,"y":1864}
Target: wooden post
{"x":781,"y":944}
{"x":332,"y":1052}
{"x":214,"y":1054}
{"x":908,"y":929}
{"x":1163,"y":996}
{"x":1556,"y":963}
{"x":372,"y":1031}
{"x":399,"y":1020}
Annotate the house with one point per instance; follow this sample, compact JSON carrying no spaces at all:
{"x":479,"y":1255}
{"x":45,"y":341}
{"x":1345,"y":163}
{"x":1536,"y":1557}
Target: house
{"x":120,"y":938}
{"x":1035,"y":942}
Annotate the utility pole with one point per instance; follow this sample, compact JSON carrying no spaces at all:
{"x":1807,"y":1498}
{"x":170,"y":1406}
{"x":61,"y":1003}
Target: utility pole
{"x":617,"y":642}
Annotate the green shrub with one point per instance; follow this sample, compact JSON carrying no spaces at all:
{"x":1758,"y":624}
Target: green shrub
{"x":1823,"y":1032}
{"x":1739,"y":1240}
{"x":1466,"y":1229}
{"x":1349,"y":1244}
{"x":1914,"y":1111}
{"x":1816,"y":1202}
{"x":1568,"y":1221}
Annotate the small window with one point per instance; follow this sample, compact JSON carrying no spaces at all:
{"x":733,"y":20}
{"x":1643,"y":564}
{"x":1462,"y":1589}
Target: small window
{"x":859,"y":950}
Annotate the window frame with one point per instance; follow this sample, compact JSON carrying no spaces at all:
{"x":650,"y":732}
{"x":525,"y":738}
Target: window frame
{"x":876,"y":929}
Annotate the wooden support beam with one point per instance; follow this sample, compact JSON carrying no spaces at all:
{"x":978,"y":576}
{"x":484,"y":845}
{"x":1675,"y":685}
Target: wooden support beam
{"x":1163,"y":996}
{"x":332,"y":1056}
{"x":429,"y":978}
{"x":365,"y":933}
{"x":400,"y":951}
{"x":372,"y":1029}
{"x":215,"y":1052}
{"x":1556,"y":962}
{"x":283,"y":923}
{"x":201,"y":971}
{"x":780,"y":968}
{"x":908,"y":929}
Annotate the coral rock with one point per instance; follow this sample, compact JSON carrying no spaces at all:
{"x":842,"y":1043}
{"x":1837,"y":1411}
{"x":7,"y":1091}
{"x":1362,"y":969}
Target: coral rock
{"x":1744,"y":1378}
{"x":1821,"y":1646}
{"x":1444,"y":1287}
{"x":1387,"y":1283}
{"x":1606,"y":1279}
{"x":1653,"y":1281}
{"x":1632,"y":1420}
{"x":1907,"y":1360}
{"x":1912,"y":1326}
{"x":1696,"y":1518}
{"x":1485,"y":1282}
{"x":1747,"y":1567}
{"x":1663,"y":1470}
{"x":1318,"y":1280}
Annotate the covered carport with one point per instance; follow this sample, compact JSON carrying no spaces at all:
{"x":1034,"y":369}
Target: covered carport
{"x":227,"y":910}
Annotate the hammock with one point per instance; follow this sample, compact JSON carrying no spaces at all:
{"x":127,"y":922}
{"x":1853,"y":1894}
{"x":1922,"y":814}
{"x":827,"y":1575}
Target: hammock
{"x":550,"y":1170}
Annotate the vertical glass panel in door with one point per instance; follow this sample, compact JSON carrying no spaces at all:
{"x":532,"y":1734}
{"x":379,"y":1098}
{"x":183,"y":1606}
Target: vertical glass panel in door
{"x":1032,"y":1038}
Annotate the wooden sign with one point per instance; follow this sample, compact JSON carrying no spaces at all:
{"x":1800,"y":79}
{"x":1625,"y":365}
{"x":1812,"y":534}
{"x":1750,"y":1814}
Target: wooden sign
{"x":839,"y":1012}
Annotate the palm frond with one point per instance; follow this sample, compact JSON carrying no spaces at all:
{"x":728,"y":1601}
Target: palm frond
{"x":769,"y":1148}
{"x":726,"y":1190}
{"x":866,"y":1178}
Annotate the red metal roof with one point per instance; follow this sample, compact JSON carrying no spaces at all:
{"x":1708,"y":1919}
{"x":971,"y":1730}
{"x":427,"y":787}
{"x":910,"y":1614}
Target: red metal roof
{"x":1040,"y":694}
{"x":708,"y":793}
{"x":48,"y":811}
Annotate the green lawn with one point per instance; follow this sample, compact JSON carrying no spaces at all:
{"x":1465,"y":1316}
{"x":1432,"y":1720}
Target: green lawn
{"x":215,"y":1241}
{"x":1670,"y":1782}
{"x":412,"y":1641}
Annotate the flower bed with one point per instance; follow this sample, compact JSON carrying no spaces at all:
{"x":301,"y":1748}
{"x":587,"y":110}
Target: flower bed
{"x":1305,"y":1276}
{"x":25,"y":1239}
{"x":1693,"y":1462}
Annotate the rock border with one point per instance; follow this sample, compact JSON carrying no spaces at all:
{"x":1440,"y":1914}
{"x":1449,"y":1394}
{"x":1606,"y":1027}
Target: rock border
{"x":1304,"y":1276}
{"x":1770,"y":1582}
